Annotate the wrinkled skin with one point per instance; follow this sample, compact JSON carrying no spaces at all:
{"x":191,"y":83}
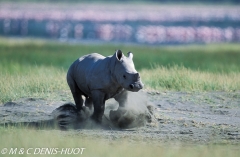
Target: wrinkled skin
{"x":99,"y":78}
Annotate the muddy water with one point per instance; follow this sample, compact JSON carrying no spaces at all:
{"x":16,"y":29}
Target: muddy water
{"x":179,"y":117}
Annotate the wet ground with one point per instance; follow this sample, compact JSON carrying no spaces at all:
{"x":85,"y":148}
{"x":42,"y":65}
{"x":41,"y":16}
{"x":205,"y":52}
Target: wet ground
{"x":176,"y":117}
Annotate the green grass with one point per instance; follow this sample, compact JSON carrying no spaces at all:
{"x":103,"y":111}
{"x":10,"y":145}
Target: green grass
{"x":36,"y":81}
{"x":182,"y":79}
{"x":213,"y":58}
{"x":12,"y":137}
{"x":37,"y":68}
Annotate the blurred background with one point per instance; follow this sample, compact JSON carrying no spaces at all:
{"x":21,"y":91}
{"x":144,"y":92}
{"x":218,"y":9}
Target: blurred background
{"x":123,"y":21}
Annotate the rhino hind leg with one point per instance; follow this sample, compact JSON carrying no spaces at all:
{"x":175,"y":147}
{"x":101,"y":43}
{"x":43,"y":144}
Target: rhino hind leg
{"x":76,"y":93}
{"x":77,"y":96}
{"x":89,"y":102}
{"x":98,"y":99}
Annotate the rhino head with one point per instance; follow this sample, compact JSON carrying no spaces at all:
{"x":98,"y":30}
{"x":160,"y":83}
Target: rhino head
{"x":125,"y":72}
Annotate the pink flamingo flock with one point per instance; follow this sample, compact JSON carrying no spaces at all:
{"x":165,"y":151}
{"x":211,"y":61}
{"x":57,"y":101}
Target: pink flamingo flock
{"x":142,"y":24}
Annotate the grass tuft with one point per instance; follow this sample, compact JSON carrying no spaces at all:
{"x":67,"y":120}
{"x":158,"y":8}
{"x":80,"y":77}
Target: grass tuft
{"x":36,"y":81}
{"x":182,"y":79}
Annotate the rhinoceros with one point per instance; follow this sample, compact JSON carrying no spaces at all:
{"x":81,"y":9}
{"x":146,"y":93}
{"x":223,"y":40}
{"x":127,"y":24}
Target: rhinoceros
{"x":99,"y":78}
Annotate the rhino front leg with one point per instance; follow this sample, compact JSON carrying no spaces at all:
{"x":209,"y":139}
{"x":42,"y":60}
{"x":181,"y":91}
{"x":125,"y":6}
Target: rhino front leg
{"x":98,"y":99}
{"x":115,"y":115}
{"x":121,"y":98}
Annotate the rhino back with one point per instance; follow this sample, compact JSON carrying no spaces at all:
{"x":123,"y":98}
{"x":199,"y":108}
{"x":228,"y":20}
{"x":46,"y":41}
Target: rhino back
{"x":84,"y":68}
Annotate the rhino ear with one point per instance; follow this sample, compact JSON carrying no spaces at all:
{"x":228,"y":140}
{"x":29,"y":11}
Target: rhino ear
{"x":130,"y":55}
{"x":119,"y":55}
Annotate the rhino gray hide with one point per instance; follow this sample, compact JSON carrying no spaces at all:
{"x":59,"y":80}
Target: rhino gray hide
{"x":99,"y":78}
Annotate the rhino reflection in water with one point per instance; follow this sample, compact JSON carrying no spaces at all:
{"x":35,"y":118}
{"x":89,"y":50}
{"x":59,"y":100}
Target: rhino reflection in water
{"x":99,"y":78}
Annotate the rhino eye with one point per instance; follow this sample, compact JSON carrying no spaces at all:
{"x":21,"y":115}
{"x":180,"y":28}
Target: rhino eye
{"x":124,"y":76}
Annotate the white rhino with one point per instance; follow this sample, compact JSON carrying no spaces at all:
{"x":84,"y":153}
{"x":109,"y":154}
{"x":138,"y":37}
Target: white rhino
{"x":99,"y":78}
